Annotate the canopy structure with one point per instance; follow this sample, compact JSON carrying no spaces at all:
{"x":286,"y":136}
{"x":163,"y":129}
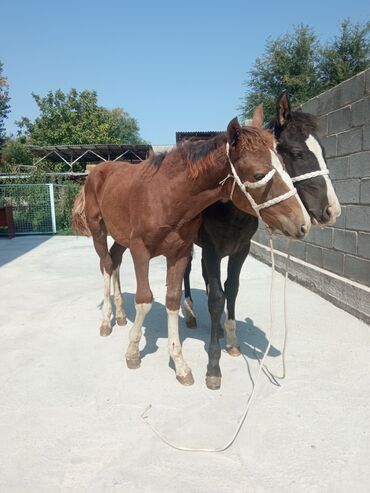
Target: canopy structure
{"x":95,"y":153}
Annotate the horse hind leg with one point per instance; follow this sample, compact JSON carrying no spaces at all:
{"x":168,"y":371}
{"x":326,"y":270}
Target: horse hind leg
{"x":106,"y":265}
{"x":234,"y":267}
{"x":175,"y":273}
{"x":188,"y":307}
{"x":116,"y":253}
{"x":143,"y":301}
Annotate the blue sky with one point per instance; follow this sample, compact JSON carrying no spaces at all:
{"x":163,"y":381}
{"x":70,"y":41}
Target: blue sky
{"x":174,"y":66}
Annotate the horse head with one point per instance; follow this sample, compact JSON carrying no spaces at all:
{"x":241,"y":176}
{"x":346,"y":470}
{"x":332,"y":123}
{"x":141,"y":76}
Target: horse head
{"x":260,"y":178}
{"x":304,"y":158}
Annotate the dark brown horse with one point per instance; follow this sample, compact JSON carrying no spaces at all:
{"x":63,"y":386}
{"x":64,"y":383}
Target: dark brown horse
{"x":226,"y":232}
{"x":153,"y":208}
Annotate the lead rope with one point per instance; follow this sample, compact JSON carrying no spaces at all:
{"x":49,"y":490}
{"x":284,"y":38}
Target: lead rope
{"x":262,"y":366}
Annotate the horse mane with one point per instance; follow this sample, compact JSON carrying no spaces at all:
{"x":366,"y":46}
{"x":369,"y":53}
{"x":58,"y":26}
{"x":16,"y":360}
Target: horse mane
{"x":299,"y":121}
{"x":199,"y":155}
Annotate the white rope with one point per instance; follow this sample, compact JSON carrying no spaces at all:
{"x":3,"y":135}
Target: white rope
{"x":307,"y":176}
{"x":262,"y":366}
{"x":254,"y":185}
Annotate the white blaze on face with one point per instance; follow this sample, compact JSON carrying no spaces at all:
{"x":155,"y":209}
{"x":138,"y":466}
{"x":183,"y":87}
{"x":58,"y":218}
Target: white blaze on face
{"x":275,"y":161}
{"x":333,"y":201}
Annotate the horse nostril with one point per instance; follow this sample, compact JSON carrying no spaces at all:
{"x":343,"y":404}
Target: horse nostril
{"x":329,"y":212}
{"x":304,"y":229}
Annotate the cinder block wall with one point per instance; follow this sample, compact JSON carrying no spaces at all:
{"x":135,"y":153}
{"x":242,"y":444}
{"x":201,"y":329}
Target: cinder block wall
{"x":344,"y":249}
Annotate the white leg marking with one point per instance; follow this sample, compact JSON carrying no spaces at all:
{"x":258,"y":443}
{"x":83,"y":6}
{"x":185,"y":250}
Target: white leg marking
{"x":188,"y":310}
{"x":120,"y":310}
{"x":230,"y":329}
{"x":136,"y":330}
{"x":174,"y":345}
{"x":333,"y":201}
{"x":107,"y":307}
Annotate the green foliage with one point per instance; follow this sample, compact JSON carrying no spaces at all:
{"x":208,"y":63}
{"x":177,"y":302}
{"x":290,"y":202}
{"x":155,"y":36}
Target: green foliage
{"x":76,"y":118}
{"x":64,"y":199}
{"x":15,"y":152}
{"x":298,"y":63}
{"x":347,"y":55}
{"x":4,"y":103}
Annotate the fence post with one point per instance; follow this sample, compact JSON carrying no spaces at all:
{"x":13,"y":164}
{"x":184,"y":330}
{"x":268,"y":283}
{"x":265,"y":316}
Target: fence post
{"x":52,"y":208}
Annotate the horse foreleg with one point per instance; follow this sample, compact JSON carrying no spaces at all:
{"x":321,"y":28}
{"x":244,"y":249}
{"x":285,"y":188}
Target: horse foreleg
{"x":234,"y":267}
{"x":188,"y":307}
{"x":143,"y":301}
{"x":175,"y":274}
{"x":216,"y":303}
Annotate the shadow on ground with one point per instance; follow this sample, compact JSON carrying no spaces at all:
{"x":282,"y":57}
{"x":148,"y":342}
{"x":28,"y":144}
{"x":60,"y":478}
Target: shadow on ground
{"x":10,"y":249}
{"x":252,"y":339}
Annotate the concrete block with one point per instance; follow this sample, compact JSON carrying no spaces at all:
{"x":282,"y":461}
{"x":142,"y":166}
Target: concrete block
{"x":314,"y":255}
{"x":352,"y":89}
{"x":328,"y":101}
{"x":341,"y":220}
{"x":349,"y":141}
{"x":321,"y":237}
{"x":363,"y":245}
{"x":367,"y":81}
{"x":365,"y":191}
{"x":345,"y":241}
{"x":297,"y":249}
{"x":332,"y":260}
{"x":358,"y":217}
{"x":357,"y":269}
{"x":338,"y":167}
{"x":361,"y":112}
{"x":323,"y":125}
{"x":359,"y":164}
{"x":330,"y":145}
{"x":366,"y":138}
{"x":311,"y":106}
{"x":339,"y":120}
{"x":348,"y":191}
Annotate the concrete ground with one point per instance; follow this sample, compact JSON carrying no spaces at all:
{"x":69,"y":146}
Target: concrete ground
{"x":70,"y":409}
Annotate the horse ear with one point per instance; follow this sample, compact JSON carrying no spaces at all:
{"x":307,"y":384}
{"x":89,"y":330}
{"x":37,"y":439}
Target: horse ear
{"x":283,"y":108}
{"x":258,"y":116}
{"x":233,"y":132}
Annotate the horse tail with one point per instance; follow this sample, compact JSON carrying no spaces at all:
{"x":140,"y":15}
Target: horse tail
{"x":79,"y":223}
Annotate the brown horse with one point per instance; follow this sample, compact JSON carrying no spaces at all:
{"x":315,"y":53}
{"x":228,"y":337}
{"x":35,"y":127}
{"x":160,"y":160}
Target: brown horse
{"x":153,"y":208}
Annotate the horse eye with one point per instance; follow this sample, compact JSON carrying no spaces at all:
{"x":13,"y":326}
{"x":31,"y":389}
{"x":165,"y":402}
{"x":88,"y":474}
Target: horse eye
{"x":259,"y":176}
{"x":298,"y":155}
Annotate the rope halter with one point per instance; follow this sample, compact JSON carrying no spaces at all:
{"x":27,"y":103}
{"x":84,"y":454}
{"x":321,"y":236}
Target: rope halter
{"x":307,"y":176}
{"x":258,"y":184}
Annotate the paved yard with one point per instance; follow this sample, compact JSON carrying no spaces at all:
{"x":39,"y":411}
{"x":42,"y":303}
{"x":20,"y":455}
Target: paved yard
{"x":70,"y":409}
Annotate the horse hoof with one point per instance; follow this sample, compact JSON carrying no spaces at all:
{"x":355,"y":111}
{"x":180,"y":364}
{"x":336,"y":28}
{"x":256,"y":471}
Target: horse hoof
{"x":121,"y":321}
{"x":133,"y":364}
{"x":213,"y":383}
{"x":233,"y":350}
{"x":191,"y":323}
{"x":186,"y":380}
{"x":105,"y":330}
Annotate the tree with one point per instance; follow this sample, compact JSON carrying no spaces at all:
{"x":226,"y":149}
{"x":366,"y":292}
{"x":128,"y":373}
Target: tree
{"x":4,"y":103}
{"x":76,"y":118}
{"x":299,"y":64}
{"x":289,"y":62}
{"x":347,"y":55}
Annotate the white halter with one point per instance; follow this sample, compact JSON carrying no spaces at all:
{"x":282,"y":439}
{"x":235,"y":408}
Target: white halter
{"x":257,"y":184}
{"x":307,"y":176}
